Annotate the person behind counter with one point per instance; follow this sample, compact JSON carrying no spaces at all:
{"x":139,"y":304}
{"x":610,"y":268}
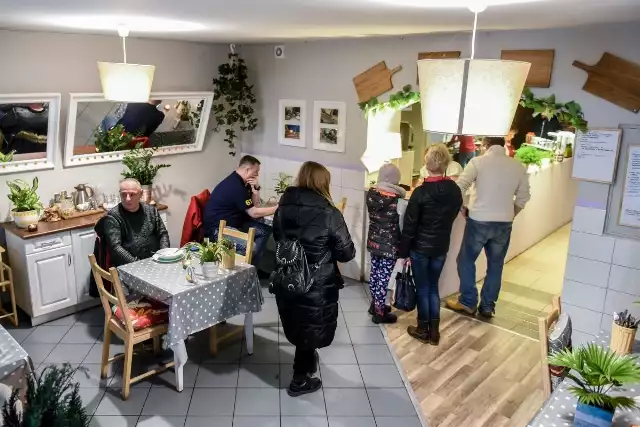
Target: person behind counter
{"x":386,"y":206}
{"x":467,"y":148}
{"x":497,"y":178}
{"x":133,"y":230}
{"x":426,"y":234}
{"x":510,"y":143}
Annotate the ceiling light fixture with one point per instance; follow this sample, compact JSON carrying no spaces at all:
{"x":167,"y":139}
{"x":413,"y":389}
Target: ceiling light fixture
{"x":470,"y":96}
{"x":125,"y":82}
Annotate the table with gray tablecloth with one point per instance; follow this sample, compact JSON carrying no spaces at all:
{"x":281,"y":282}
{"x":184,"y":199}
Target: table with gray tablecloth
{"x":15,"y":364}
{"x":559,"y":409}
{"x":195,"y":306}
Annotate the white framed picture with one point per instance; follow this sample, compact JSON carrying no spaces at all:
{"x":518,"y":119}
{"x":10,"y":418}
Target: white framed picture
{"x":329,"y":126}
{"x":291,"y":122}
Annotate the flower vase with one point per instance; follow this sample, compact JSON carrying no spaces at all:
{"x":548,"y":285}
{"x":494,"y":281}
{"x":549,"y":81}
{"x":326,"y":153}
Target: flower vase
{"x":622,"y":339}
{"x":229,"y":260}
{"x":146,"y":193}
{"x":592,"y":416}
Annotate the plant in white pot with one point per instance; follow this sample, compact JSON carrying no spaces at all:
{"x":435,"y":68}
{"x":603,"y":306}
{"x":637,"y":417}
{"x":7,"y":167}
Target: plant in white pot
{"x":26,"y":203}
{"x":209,"y":254}
{"x":282,"y":183}
{"x":138,"y":161}
{"x":598,"y":371}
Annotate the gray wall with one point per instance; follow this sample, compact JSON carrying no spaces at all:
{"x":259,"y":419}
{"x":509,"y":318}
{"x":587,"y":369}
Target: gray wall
{"x":323,"y":71}
{"x":50,"y":62}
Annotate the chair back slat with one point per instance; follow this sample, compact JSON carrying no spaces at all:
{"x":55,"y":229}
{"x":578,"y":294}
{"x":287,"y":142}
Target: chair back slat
{"x":119,"y":300}
{"x":544,"y":324}
{"x":248,"y":238}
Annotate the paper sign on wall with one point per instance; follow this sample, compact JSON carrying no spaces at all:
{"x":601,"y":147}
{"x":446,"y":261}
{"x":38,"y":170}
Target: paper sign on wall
{"x":596,"y":154}
{"x":630,"y":204}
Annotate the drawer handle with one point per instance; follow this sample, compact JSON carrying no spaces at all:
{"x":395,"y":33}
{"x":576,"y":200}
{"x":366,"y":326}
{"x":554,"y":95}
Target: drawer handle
{"x":69,"y":258}
{"x":49,"y":243}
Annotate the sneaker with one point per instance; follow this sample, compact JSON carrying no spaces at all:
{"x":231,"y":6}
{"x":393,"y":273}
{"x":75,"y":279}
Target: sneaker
{"x":302,"y":386}
{"x":387,"y":317}
{"x":455,"y":305}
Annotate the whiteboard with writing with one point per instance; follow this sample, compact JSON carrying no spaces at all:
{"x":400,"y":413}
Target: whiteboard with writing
{"x":630,"y":204}
{"x":596,"y":154}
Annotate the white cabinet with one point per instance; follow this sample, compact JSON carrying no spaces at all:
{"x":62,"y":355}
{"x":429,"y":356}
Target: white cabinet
{"x":51,"y":280}
{"x":82,"y":242}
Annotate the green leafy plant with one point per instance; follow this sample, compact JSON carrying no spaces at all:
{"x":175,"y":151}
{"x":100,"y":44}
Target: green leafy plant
{"x":5,"y":158}
{"x":51,"y":400}
{"x":397,"y":101}
{"x":529,"y":155}
{"x":114,"y":139}
{"x":207,"y":251}
{"x":569,"y":114}
{"x":572,"y":116}
{"x":282,"y":182}
{"x":138,"y":161}
{"x":23,"y":196}
{"x":599,"y":370}
{"x":227,"y":246}
{"x":233,"y":101}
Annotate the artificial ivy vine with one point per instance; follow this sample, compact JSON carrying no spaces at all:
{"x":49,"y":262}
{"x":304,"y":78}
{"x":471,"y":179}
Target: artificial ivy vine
{"x":397,"y":101}
{"x":233,"y":100}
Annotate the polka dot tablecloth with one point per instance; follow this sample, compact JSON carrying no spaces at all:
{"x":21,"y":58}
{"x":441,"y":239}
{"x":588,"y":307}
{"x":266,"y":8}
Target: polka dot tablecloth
{"x":559,"y":409}
{"x":14,"y":361}
{"x":195,"y":306}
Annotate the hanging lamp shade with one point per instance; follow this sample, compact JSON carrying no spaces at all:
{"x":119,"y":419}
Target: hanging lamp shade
{"x":126,"y":82}
{"x":470,"y":96}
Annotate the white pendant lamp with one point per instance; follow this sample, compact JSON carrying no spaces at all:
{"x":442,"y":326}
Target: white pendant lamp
{"x":470,"y":96}
{"x":126,"y":82}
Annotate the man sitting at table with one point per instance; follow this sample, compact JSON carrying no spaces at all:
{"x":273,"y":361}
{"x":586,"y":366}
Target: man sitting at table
{"x":133,"y":230}
{"x":236,"y":199}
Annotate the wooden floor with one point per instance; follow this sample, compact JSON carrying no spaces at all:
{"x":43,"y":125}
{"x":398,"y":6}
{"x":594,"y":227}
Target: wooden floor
{"x":479,"y":375}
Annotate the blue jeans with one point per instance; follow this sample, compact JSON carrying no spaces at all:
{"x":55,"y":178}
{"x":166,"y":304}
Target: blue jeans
{"x":494,"y":238}
{"x":426,"y":272}
{"x":464,"y":158}
{"x":263,"y":231}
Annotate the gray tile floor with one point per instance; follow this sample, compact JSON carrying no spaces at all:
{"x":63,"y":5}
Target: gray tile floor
{"x":361,"y":384}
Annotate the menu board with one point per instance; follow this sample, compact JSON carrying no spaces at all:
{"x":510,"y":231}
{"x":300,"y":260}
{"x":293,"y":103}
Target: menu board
{"x":596,"y":154}
{"x":630,"y":204}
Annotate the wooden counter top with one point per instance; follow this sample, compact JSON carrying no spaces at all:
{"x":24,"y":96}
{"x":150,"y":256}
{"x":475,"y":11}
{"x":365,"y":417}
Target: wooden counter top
{"x":47,"y":228}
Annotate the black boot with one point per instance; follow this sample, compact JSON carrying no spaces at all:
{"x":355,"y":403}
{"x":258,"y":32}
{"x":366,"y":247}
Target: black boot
{"x":304,"y":384}
{"x":434,"y":331}
{"x":372,"y":309}
{"x":420,"y":332}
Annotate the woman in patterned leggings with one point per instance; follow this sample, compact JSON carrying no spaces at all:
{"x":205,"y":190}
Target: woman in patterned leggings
{"x":385,"y":203}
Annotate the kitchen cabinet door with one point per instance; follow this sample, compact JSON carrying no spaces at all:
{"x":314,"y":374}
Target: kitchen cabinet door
{"x":52,"y":280}
{"x":83,"y":242}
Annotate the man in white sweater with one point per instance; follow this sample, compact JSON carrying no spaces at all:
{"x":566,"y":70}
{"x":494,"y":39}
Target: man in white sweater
{"x":501,"y":192}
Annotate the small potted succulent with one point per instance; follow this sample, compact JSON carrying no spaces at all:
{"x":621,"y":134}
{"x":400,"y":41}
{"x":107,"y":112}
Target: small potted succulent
{"x":25,"y":201}
{"x":623,"y":332}
{"x":598,"y":370}
{"x":209,"y":254}
{"x":228,"y":250}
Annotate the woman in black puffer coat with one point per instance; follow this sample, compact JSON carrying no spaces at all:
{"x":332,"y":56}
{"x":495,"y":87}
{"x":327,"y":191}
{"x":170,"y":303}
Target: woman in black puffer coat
{"x":307,"y":213}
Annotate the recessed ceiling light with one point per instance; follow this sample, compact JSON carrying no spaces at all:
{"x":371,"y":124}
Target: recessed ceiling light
{"x":136,"y":24}
{"x":453,"y":4}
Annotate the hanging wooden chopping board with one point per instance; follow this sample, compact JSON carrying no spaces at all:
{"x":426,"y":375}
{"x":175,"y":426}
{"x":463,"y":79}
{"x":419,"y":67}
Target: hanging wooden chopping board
{"x":613,"y":79}
{"x":375,"y":81}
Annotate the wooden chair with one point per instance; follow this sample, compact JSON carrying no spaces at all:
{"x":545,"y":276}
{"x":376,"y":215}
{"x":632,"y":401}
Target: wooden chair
{"x":6,"y":283}
{"x":341,"y":205}
{"x":544,"y":323}
{"x":123,"y":330}
{"x":214,"y":337}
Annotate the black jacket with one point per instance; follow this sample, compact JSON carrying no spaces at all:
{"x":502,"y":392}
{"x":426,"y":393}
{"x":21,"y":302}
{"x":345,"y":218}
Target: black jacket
{"x":384,"y":227}
{"x":310,"y":320}
{"x":429,"y":217}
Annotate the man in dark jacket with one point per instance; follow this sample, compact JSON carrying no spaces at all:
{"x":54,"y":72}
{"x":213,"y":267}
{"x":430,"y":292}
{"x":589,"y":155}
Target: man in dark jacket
{"x":133,"y":230}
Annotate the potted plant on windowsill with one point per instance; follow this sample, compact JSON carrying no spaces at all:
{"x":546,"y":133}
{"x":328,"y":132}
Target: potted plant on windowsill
{"x":25,"y":201}
{"x":138,"y":161}
{"x":598,"y":370}
{"x":209,"y":254}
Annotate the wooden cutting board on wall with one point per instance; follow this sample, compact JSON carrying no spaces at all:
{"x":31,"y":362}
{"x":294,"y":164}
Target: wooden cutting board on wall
{"x":541,"y":64}
{"x":375,"y":81}
{"x":452,"y":54}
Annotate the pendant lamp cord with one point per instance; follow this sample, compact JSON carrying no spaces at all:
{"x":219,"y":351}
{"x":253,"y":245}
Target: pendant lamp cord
{"x":473,"y":37}
{"x":124,"y":49}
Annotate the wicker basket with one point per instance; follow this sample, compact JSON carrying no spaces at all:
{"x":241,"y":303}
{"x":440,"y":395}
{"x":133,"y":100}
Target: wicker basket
{"x":229,"y":260}
{"x":622,"y":339}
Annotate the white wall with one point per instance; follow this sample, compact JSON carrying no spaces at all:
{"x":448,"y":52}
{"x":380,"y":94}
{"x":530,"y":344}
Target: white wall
{"x":50,"y":62}
{"x":323,"y":71}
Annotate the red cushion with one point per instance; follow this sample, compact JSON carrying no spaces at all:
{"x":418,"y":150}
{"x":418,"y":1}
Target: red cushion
{"x":144,"y":313}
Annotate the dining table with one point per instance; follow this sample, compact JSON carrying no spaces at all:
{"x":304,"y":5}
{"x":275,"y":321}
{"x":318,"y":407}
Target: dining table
{"x":196,"y":304}
{"x":559,"y":409}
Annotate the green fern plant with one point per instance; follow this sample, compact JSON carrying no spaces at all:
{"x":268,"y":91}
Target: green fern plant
{"x":23,"y":196}
{"x":598,"y":370}
{"x":138,"y":161}
{"x":52,"y":400}
{"x":208,"y":251}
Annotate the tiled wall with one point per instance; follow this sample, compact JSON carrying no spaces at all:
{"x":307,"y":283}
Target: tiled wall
{"x":345,"y":182}
{"x":602,"y":274}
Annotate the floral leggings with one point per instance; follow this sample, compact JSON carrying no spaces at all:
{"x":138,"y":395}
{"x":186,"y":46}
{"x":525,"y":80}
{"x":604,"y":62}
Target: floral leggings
{"x":381,"y":269}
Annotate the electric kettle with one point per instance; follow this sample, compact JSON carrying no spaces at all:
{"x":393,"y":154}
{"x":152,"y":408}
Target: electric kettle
{"x":82,"y":197}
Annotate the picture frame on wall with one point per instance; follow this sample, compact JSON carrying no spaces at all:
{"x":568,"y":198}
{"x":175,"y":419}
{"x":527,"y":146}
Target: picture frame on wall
{"x":329,"y":126}
{"x":291,"y":122}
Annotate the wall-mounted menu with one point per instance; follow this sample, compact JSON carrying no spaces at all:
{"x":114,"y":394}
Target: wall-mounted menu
{"x":630,"y":205}
{"x":596,"y":154}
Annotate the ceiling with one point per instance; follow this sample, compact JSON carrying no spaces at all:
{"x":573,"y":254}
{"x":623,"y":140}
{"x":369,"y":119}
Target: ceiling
{"x":279,"y":20}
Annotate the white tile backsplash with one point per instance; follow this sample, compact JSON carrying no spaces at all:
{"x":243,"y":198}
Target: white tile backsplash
{"x":355,"y":198}
{"x":625,"y":279}
{"x":627,"y":253}
{"x":582,"y":319}
{"x":583,"y":295}
{"x":619,"y":301}
{"x":589,"y":246}
{"x":336,"y":176}
{"x":588,"y":220}
{"x":607,"y":321}
{"x":354,"y":179}
{"x":579,"y":338}
{"x":587,"y":271}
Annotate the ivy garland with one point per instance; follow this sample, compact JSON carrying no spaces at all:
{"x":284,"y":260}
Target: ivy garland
{"x":397,"y":101}
{"x":233,"y":101}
